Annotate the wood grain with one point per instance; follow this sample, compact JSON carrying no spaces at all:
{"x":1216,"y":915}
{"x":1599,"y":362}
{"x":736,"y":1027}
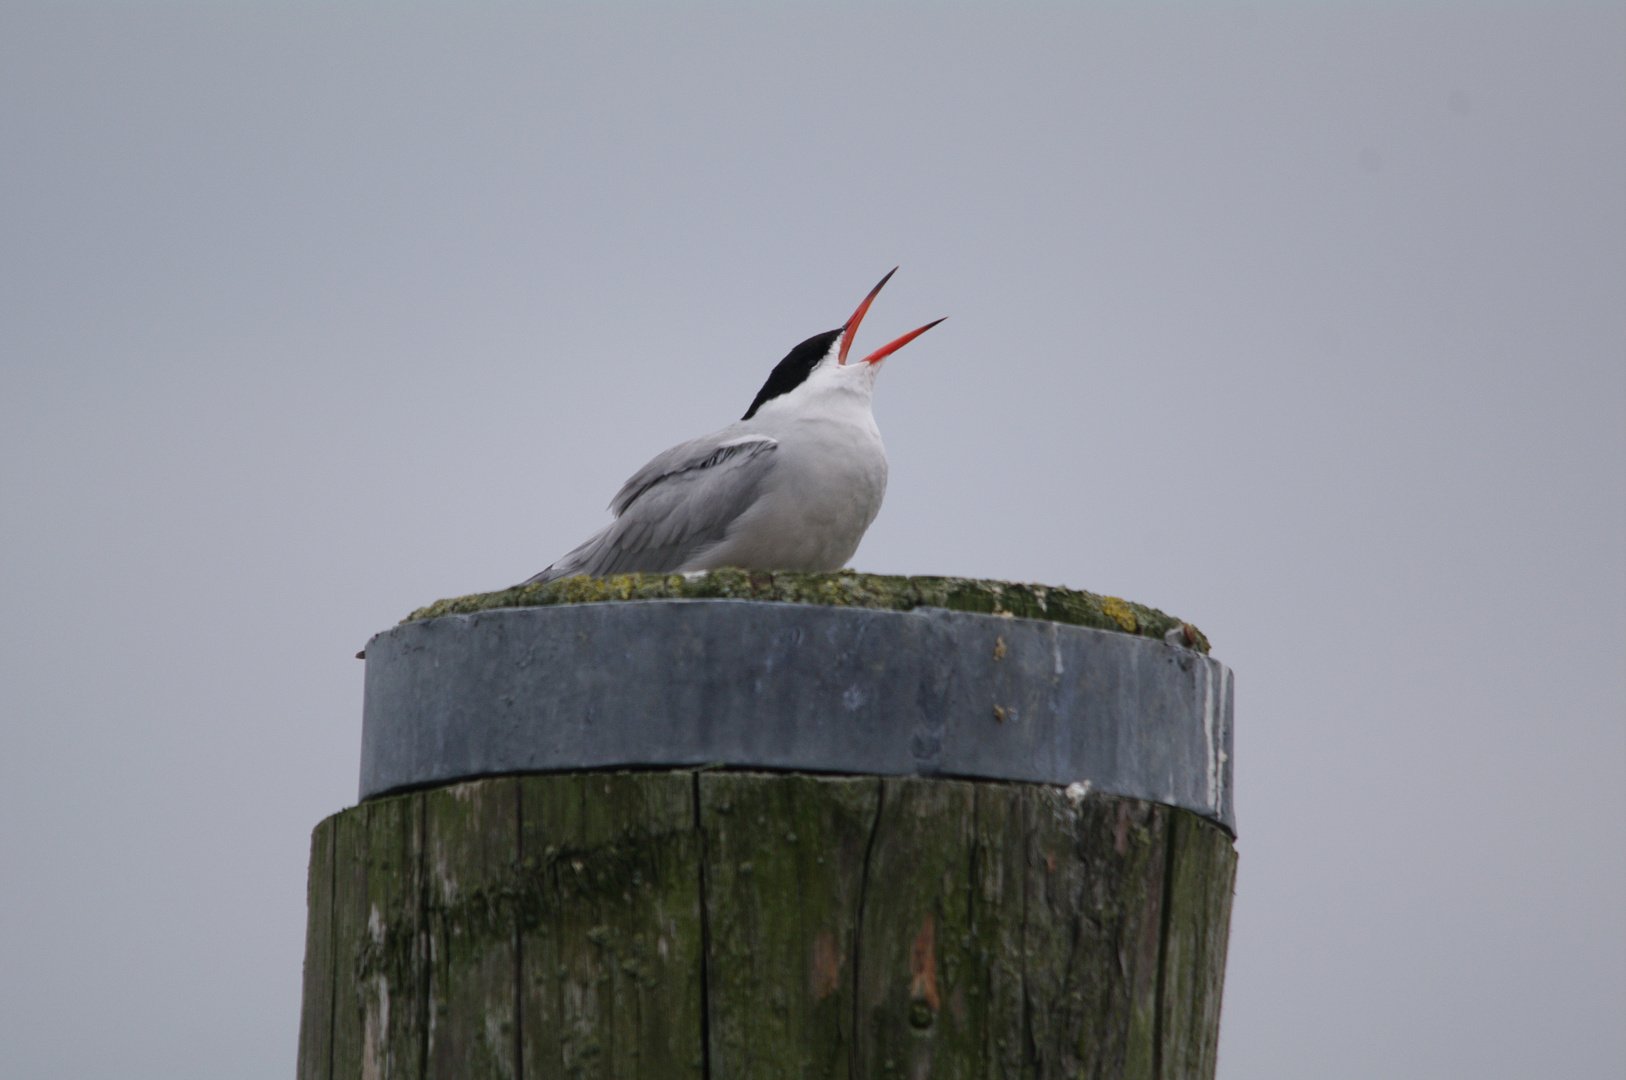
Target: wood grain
{"x":471,"y":846}
{"x":720,"y":924}
{"x":316,"y":1008}
{"x":610,"y":926}
{"x":783,"y":871}
{"x":1202,"y":871}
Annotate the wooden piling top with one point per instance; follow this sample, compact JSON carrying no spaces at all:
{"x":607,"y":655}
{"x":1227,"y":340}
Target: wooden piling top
{"x":844,"y":588}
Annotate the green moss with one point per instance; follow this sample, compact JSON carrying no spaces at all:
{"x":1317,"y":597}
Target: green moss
{"x":644,"y":923}
{"x":841,"y":589}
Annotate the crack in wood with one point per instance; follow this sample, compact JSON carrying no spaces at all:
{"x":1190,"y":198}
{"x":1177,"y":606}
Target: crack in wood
{"x":705,"y":939}
{"x":858,"y":928}
{"x":674,"y":923}
{"x":332,"y":954}
{"x":519,"y":939}
{"x":1165,"y":913}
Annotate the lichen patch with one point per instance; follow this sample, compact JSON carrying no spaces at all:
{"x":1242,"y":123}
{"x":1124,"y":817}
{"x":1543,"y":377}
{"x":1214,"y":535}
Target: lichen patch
{"x":843,"y":588}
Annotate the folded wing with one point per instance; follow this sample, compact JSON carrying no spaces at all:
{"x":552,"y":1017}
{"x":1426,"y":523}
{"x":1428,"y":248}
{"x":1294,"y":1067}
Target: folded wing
{"x":674,"y":508}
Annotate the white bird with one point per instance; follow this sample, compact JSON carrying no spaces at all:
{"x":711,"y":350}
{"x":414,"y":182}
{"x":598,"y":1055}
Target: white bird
{"x":791,"y":486}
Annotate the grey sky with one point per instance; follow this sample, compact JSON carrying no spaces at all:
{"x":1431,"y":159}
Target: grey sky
{"x":1306,"y":323}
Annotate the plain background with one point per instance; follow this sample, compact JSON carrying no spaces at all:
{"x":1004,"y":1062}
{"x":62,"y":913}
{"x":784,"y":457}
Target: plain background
{"x":1306,"y":323}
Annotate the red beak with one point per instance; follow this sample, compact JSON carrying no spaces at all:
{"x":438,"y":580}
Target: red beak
{"x":851,"y":329}
{"x":888,"y":349}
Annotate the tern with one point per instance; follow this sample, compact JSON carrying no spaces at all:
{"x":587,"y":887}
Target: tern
{"x":792,"y":485}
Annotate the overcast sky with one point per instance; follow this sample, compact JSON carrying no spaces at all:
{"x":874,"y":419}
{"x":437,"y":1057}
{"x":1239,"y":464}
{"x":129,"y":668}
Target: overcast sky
{"x":1306,"y":323}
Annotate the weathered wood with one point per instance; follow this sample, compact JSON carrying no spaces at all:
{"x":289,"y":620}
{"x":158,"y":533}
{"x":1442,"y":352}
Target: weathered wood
{"x":742,"y":925}
{"x":350,"y":937}
{"x":924,"y":974}
{"x":1092,"y":930}
{"x":471,"y":845}
{"x":996,"y":989}
{"x":610,"y":927}
{"x":386,"y":990}
{"x":316,"y":1010}
{"x":783,"y":871}
{"x":1046,"y":965}
{"x":1202,"y":870}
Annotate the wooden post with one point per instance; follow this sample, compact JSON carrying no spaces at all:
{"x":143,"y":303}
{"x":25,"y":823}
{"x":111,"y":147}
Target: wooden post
{"x":729,"y":922}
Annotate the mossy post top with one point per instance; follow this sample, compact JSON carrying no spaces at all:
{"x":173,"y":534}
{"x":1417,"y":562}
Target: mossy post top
{"x":879,"y":592}
{"x":832,"y":673}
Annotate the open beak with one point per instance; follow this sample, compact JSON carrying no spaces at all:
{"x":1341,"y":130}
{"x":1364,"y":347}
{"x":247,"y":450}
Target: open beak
{"x":851,"y":330}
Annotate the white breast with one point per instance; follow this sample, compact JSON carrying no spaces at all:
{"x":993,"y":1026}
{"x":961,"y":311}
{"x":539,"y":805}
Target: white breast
{"x":826,"y":487}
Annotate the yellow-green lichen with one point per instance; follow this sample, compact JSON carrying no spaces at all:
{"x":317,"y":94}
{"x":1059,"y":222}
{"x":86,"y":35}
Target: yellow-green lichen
{"x":1121,"y":613}
{"x":843,"y":588}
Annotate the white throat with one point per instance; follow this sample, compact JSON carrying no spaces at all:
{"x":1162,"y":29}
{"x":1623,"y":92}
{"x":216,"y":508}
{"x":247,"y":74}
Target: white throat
{"x":830,"y":389}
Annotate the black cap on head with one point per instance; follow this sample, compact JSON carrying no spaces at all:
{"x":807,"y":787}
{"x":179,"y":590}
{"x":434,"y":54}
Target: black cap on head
{"x":794,"y":369}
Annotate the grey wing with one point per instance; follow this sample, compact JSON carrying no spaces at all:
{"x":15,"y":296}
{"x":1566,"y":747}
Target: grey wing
{"x":678,"y":505}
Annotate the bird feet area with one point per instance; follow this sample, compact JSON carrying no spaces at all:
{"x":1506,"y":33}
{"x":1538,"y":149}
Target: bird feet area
{"x":844,"y":588}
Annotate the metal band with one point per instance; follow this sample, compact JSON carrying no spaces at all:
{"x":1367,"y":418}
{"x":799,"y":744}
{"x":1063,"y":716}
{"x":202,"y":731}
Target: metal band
{"x":799,"y":687}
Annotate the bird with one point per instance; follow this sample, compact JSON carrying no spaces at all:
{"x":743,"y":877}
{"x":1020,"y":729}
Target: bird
{"x":791,"y":485}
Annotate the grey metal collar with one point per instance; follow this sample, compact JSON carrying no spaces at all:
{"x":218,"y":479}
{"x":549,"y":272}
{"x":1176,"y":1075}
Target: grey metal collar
{"x":750,"y":684}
